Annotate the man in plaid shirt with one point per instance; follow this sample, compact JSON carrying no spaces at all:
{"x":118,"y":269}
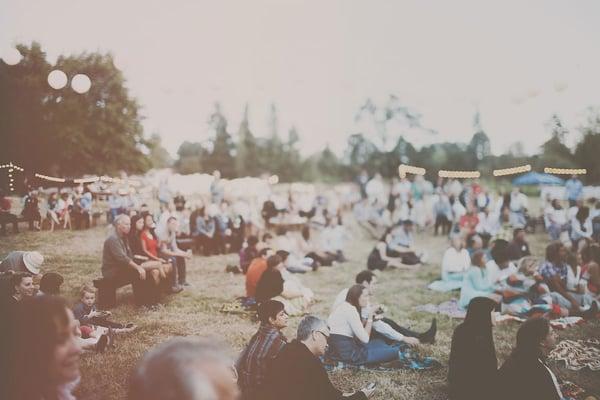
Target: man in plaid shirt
{"x":262,"y":349}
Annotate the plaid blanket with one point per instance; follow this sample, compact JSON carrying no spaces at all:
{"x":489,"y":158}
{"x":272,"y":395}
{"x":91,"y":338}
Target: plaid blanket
{"x":578,"y":354}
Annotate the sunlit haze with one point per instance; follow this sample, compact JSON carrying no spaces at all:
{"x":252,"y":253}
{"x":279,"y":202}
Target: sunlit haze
{"x":318,"y":61}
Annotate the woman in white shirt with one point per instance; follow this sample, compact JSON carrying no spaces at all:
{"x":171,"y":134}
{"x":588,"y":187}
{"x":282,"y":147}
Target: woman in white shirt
{"x":456,"y":260}
{"x":350,"y":339}
{"x":455,"y":263}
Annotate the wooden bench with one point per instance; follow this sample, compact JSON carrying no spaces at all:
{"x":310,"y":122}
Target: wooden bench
{"x":107,"y":291}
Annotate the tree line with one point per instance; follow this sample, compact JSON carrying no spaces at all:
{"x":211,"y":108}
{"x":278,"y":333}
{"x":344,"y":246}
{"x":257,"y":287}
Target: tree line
{"x":62,"y":133}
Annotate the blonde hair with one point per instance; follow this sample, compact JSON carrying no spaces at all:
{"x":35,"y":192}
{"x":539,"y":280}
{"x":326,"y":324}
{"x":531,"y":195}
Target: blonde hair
{"x":87,"y":288}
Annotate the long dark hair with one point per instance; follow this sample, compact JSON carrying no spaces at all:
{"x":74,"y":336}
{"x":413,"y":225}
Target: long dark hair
{"x":530,"y":337}
{"x":353,"y":295}
{"x":37,"y":329}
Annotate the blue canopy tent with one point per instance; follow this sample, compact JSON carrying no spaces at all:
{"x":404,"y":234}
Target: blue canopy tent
{"x":536,"y":178}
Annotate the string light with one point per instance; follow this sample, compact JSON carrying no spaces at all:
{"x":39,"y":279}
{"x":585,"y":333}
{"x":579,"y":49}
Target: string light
{"x":87,"y":180}
{"x":512,"y":171}
{"x":459,"y":174}
{"x":273,"y":180}
{"x":566,"y":171}
{"x":51,"y":178}
{"x":409,"y":169}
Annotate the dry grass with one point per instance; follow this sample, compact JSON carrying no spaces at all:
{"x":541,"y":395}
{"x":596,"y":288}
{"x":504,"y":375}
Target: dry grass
{"x":77,"y":256}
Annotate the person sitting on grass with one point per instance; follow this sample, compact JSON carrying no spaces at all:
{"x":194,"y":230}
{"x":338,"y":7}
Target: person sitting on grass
{"x":455,"y":263}
{"x":22,"y":261}
{"x":278,"y":284}
{"x":333,"y":239}
{"x":402,"y":244}
{"x":379,"y":257}
{"x":385,"y":327}
{"x":44,"y":351}
{"x":31,"y":210}
{"x":184,"y":368}
{"x":248,"y":253}
{"x":351,"y":338}
{"x":310,"y":249}
{"x":518,"y":247}
{"x":118,"y":264}
{"x":476,"y":282}
{"x":525,"y":375}
{"x":50,"y":284}
{"x":298,"y":374}
{"x":554,"y":272}
{"x":87,"y":315}
{"x":256,"y":269}
{"x":178,"y":257}
{"x":473,"y":367}
{"x":262,"y":348}
{"x":156,"y":269}
{"x":22,"y":287}
{"x":6,"y":217}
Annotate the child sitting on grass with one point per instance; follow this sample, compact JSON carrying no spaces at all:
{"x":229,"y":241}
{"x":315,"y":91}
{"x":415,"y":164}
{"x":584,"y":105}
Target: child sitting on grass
{"x":85,"y":312}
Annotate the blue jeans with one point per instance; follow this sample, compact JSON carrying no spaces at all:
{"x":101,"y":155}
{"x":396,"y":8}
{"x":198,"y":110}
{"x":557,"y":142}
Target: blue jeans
{"x":379,"y":351}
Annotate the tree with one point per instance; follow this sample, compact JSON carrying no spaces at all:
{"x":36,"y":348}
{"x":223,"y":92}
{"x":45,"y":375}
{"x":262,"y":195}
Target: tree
{"x":158,"y":155}
{"x":247,"y":156}
{"x":479,"y":147}
{"x":61,"y":132}
{"x":554,"y":151}
{"x":586,"y":151}
{"x":190,"y":157}
{"x":221,"y":157}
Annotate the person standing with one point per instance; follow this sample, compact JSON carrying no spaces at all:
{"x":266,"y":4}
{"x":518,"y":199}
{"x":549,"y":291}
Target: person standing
{"x":573,"y":190}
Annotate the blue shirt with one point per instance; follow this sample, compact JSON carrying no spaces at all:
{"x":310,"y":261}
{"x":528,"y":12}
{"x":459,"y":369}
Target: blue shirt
{"x":574,"y":189}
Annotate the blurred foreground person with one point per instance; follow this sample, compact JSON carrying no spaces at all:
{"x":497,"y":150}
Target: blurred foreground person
{"x":184,"y":369}
{"x":43,"y":357}
{"x":525,"y":375}
{"x":473,"y":367}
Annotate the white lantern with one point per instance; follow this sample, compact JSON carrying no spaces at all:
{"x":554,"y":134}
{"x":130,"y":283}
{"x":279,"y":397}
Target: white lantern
{"x":81,"y":83}
{"x":12,"y":56}
{"x":57,"y":79}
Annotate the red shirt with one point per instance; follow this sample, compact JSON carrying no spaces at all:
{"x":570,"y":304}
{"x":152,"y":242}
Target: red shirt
{"x":5,"y":204}
{"x":469,"y":221}
{"x":257,"y":267}
{"x":151,"y":243}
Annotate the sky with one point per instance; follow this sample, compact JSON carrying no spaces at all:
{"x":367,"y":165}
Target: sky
{"x":516,"y":62}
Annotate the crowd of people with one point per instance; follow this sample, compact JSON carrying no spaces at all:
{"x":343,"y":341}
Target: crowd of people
{"x":280,"y":236}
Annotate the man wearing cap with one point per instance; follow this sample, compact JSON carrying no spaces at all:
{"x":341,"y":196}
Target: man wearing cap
{"x":22,"y":261}
{"x":262,"y":349}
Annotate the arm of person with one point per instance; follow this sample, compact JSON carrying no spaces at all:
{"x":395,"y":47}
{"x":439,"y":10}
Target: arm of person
{"x":122,"y":258}
{"x":558,"y":286}
{"x":479,"y":282}
{"x":363,"y":333}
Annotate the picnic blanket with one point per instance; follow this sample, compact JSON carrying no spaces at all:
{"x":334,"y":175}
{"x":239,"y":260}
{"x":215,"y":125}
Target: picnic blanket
{"x":578,"y":354}
{"x":449,"y":308}
{"x":405,"y":361}
{"x":240,"y":306}
{"x":453,"y":310}
{"x":444,"y":286}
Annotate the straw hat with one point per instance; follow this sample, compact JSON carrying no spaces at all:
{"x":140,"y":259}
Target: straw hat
{"x":33,"y":260}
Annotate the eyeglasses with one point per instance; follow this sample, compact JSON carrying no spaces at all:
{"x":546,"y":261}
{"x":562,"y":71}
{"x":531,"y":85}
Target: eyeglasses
{"x":324,"y":334}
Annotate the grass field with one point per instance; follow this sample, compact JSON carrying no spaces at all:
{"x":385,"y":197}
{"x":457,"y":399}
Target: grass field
{"x":77,"y":256}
